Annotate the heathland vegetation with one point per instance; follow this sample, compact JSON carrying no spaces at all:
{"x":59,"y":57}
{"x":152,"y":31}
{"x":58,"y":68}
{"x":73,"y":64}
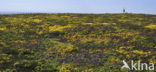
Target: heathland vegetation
{"x":75,"y":42}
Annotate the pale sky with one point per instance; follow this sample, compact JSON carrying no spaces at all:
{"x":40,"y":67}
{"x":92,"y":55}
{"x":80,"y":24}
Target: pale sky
{"x":79,"y":6}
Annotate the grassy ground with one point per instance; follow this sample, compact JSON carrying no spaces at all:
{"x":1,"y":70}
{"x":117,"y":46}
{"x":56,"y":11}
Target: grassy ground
{"x":75,"y":42}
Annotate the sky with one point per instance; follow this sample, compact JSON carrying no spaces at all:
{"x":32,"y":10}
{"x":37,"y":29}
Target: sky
{"x":79,"y":6}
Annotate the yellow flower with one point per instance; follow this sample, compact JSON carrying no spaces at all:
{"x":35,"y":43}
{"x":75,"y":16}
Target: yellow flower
{"x":37,"y":20}
{"x":67,"y":49}
{"x":58,"y":28}
{"x":152,"y":61}
{"x":16,"y":63}
{"x":87,"y":23}
{"x":151,"y":26}
{"x":2,"y":28}
{"x":141,"y":52}
{"x":138,"y":52}
{"x":65,"y":68}
{"x":40,"y":32}
{"x":5,"y":58}
{"x":89,"y":70}
{"x":128,"y":56}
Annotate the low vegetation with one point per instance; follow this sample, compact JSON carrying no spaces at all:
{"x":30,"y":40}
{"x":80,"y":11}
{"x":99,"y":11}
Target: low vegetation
{"x":75,"y":42}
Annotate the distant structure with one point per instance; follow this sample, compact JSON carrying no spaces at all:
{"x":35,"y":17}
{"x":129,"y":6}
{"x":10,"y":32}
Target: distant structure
{"x":124,"y":11}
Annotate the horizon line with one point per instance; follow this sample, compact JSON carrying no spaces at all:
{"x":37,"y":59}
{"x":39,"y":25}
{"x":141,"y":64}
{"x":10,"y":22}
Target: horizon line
{"x":14,"y":13}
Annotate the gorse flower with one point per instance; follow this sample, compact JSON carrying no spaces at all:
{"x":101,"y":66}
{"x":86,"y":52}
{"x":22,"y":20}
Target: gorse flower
{"x":58,"y":28}
{"x":2,"y":28}
{"x":151,"y":26}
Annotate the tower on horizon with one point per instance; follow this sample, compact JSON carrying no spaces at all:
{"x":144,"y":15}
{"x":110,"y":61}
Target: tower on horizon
{"x":124,"y":11}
